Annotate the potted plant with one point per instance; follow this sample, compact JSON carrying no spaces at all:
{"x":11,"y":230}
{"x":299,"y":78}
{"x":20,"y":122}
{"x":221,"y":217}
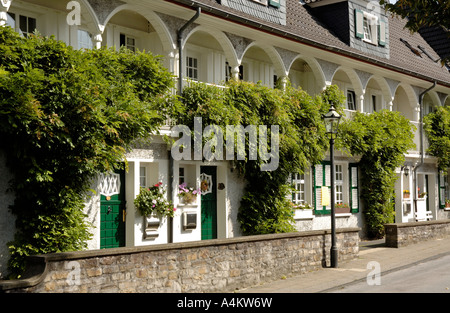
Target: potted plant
{"x":342,"y":208}
{"x":447,"y":203}
{"x":152,"y":202}
{"x":422,"y":194}
{"x":187,"y":195}
{"x":406,"y":194}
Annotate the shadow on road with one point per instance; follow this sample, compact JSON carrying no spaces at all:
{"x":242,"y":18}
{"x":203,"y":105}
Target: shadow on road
{"x":370,"y":244}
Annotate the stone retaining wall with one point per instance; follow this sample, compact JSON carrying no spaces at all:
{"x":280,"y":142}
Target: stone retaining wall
{"x":403,"y":234}
{"x":221,"y":265}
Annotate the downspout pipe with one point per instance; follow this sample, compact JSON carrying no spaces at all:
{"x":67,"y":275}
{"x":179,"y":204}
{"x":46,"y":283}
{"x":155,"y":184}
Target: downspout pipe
{"x":422,"y":148}
{"x":180,"y":38}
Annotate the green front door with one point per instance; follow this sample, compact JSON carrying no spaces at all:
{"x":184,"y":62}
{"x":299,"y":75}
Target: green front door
{"x":208,"y":185}
{"x":112,"y":211}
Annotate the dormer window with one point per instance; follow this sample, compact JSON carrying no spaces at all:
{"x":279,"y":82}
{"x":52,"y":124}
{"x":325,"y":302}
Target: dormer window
{"x":273,"y":3}
{"x":370,"y":28}
{"x":370,"y":23}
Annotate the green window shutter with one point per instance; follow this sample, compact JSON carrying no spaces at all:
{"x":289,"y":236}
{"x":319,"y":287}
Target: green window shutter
{"x":441,"y":182}
{"x":354,"y":188}
{"x":359,"y":24}
{"x":382,"y":33}
{"x":274,"y":3}
{"x":321,"y":178}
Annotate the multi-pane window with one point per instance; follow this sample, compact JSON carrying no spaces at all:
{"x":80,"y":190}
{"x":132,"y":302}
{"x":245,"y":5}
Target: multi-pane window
{"x":181,"y":177}
{"x":298,"y":196}
{"x":339,"y":182}
{"x":351,"y":103}
{"x":128,"y":42}
{"x":367,"y":29}
{"x":370,"y":28}
{"x":27,"y":25}
{"x":143,"y":176}
{"x":192,"y":68}
{"x":84,"y":40}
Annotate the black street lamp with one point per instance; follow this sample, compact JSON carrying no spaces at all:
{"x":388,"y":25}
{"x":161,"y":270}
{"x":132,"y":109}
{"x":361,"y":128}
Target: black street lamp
{"x":332,"y":119}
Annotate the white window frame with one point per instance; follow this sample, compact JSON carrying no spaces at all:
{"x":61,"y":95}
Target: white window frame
{"x":339,"y":182}
{"x":353,"y":96}
{"x":299,"y":193}
{"x":263,"y":2}
{"x":143,"y":176}
{"x":17,"y":16}
{"x":370,"y":26}
{"x":192,"y":67}
{"x":128,"y":37}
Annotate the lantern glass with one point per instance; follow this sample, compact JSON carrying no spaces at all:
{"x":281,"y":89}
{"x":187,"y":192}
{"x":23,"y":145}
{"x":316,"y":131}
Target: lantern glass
{"x":332,"y":119}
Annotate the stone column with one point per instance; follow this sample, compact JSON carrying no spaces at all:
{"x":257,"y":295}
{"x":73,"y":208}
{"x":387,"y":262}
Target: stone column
{"x":235,"y":72}
{"x":97,"y":41}
{"x":283,"y":82}
{"x":360,"y":103}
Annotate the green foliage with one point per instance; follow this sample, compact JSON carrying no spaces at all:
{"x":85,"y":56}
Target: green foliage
{"x":437,"y":128}
{"x":421,"y":13}
{"x":153,"y":200}
{"x":65,"y":116}
{"x":381,"y":139}
{"x":265,"y":207}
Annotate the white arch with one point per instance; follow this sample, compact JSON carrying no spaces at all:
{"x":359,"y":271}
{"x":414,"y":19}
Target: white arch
{"x":385,"y":90}
{"x":315,"y":67}
{"x":168,"y":43}
{"x":412,"y":97}
{"x":97,"y":27}
{"x":413,"y":102}
{"x":354,"y":79}
{"x":435,"y":98}
{"x":274,"y":57}
{"x":222,"y":39}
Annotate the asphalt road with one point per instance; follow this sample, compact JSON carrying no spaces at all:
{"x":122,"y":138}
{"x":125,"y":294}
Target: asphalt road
{"x":432,"y":276}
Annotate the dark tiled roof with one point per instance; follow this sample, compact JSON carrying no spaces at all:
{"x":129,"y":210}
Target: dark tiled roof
{"x":304,"y":27}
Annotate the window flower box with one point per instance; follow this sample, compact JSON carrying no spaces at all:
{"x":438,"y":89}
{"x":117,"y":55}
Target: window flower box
{"x":303,"y":211}
{"x":342,"y":208}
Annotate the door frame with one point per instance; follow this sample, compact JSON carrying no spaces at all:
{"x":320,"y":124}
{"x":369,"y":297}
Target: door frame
{"x":210,"y":170}
{"x":115,"y":199}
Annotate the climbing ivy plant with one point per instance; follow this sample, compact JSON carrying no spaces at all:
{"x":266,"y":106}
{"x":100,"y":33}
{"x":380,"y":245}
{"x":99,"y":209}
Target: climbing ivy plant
{"x":437,"y":129}
{"x":265,"y":206}
{"x":65,"y":116}
{"x":381,"y":139}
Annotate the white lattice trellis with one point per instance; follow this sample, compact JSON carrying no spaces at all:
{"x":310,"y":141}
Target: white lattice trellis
{"x":109,"y":184}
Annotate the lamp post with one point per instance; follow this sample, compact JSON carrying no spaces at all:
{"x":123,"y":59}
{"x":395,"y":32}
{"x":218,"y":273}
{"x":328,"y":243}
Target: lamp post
{"x":331,"y":120}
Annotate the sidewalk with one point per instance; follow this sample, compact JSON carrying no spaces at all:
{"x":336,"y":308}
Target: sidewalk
{"x":328,"y":279}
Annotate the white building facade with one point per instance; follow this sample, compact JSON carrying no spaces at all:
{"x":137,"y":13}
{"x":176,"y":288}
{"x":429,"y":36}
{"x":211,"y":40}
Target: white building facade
{"x":357,"y":46}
